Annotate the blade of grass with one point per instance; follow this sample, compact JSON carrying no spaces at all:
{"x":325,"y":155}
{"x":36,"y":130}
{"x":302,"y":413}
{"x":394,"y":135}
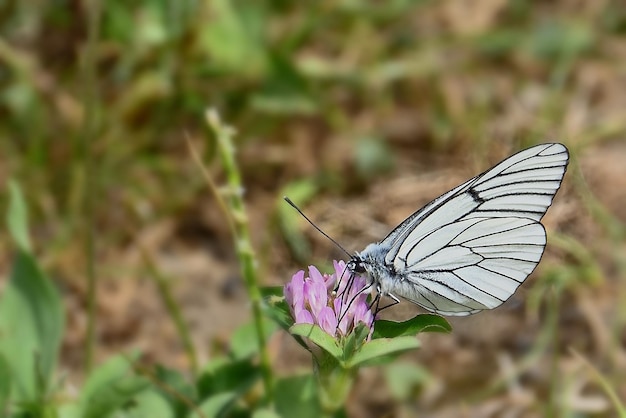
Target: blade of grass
{"x":234,"y":199}
{"x":173,"y":309}
{"x":542,"y":347}
{"x":149,"y":374}
{"x":212,"y":186}
{"x":90,"y":129}
{"x":608,"y":389}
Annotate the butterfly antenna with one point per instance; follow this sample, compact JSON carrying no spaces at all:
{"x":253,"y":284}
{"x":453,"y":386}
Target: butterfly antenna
{"x":336,"y":288}
{"x":293,"y":205}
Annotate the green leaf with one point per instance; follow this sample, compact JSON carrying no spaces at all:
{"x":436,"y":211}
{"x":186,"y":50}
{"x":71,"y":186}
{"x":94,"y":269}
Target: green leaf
{"x":296,"y":396}
{"x":286,"y":91}
{"x":31,"y":328}
{"x":403,"y":378}
{"x":372,"y":157}
{"x":69,"y":410}
{"x":110,"y":387}
{"x":382,"y":350}
{"x":214,"y":406}
{"x":235,"y":41}
{"x":288,"y":219}
{"x":413,"y":326}
{"x":277,"y":309}
{"x":265,"y":413}
{"x":244,"y":342}
{"x":176,"y":389}
{"x":270,"y":292}
{"x":279,"y":312}
{"x":223,"y":375}
{"x":499,"y":42}
{"x":5,"y":385}
{"x":355,"y":340}
{"x":149,"y":403}
{"x":320,"y":338}
{"x":31,"y":316}
{"x":17,"y":217}
{"x":552,"y":40}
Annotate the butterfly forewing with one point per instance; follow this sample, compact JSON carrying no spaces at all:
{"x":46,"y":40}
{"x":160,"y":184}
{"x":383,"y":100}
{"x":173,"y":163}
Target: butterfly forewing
{"x":477,"y":199}
{"x":470,"y":248}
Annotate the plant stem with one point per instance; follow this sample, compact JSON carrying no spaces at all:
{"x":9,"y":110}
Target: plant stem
{"x":90,"y":129}
{"x":173,"y":309}
{"x":604,"y":384}
{"x":243,"y":244}
{"x":334,"y":383}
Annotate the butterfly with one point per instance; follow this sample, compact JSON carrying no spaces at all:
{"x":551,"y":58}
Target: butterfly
{"x":471,"y":248}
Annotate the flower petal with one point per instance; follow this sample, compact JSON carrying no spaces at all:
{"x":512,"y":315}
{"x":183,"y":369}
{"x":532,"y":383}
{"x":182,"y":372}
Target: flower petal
{"x":340,"y":312}
{"x":315,"y":274}
{"x":362,"y":313}
{"x":340,"y":267}
{"x":294,"y":290}
{"x":357,"y":285}
{"x":327,"y":320}
{"x":330,"y":281}
{"x":315,"y":292}
{"x":303,"y":316}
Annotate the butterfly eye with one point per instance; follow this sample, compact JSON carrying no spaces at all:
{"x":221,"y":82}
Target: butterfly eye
{"x":356,"y":265}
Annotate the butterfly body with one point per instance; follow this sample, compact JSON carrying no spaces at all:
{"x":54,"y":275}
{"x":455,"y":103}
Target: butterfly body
{"x":469,"y":249}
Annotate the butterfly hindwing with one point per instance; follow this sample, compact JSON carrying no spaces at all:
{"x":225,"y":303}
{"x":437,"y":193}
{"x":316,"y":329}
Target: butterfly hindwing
{"x":479,"y":266}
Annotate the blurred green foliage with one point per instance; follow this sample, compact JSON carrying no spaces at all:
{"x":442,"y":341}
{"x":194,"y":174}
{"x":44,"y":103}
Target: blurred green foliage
{"x":31,"y":320}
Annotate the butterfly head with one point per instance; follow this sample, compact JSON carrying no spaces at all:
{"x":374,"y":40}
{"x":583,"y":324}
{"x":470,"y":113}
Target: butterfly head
{"x":356,"y":265}
{"x":370,"y":263}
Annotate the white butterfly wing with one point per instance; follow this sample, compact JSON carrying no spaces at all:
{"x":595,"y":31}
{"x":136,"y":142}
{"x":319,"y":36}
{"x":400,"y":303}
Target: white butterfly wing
{"x":471,"y":265}
{"x":470,"y":249}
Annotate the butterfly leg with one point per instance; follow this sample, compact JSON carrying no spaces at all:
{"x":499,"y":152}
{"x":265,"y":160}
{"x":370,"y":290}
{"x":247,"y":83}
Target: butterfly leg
{"x":336,"y":288}
{"x":348,"y":286}
{"x":351,"y":301}
{"x":379,"y":309}
{"x":375,"y":302}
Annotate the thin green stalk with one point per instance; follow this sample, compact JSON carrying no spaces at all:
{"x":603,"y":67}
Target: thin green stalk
{"x":552,"y":322}
{"x":603,"y":382}
{"x":212,"y":186}
{"x":149,"y":374}
{"x":173,"y":309}
{"x":243,"y":244}
{"x":90,"y":129}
